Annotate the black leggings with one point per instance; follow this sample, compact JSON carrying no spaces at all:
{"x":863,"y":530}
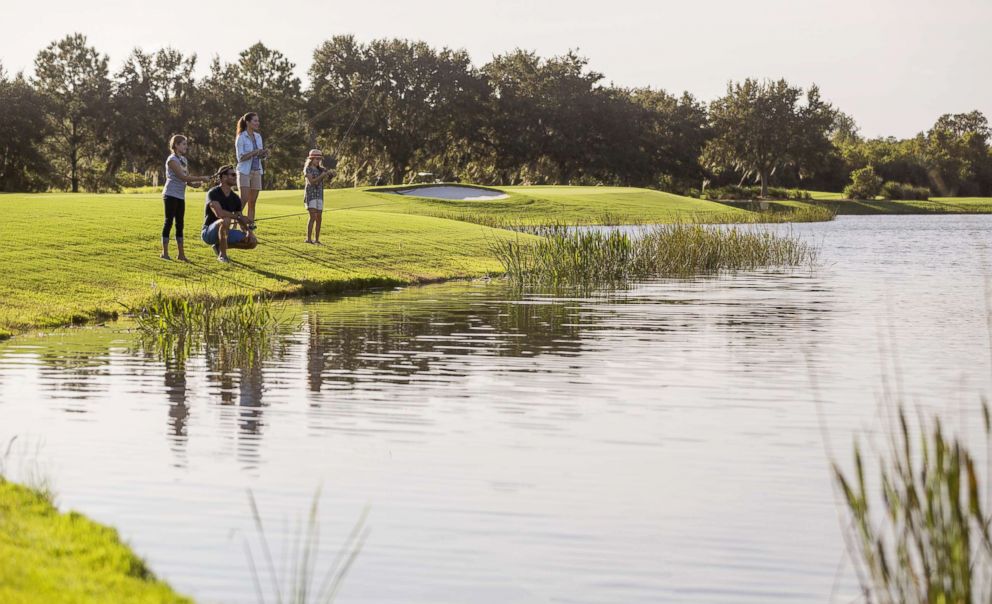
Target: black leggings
{"x":175,"y":209}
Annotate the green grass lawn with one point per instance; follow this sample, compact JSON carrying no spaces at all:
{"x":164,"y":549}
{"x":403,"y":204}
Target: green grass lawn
{"x":570,"y":205}
{"x":826,"y":195}
{"x":72,"y":258}
{"x":935,"y":205}
{"x":47,"y":557}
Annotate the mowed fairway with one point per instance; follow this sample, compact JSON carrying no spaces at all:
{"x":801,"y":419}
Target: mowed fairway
{"x":569,"y":205}
{"x":71,"y":258}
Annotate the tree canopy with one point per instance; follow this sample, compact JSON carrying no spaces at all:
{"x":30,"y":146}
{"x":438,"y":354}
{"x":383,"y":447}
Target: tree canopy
{"x":391,"y":108}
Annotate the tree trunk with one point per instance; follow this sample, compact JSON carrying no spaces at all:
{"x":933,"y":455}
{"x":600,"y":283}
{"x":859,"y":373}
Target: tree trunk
{"x":74,"y":161}
{"x":398,"y":172}
{"x":763,"y":175}
{"x":73,"y":167}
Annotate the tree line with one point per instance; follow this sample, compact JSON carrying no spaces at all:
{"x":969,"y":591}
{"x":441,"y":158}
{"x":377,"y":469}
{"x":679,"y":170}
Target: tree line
{"x":391,"y":108}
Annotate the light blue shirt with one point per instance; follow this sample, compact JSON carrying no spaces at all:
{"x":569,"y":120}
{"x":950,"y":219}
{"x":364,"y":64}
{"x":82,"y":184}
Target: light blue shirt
{"x":242,"y":146}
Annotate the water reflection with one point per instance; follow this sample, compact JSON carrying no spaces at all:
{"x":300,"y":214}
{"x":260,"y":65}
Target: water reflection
{"x":174,"y":379}
{"x":404,"y":339}
{"x":604,"y":381}
{"x":418,"y":340}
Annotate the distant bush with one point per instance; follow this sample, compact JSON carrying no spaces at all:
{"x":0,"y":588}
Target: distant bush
{"x":739,"y":193}
{"x":865,"y":184}
{"x":898,"y":190}
{"x":131,"y":180}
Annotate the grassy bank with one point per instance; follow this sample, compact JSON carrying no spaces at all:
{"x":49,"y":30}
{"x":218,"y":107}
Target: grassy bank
{"x":48,"y":557}
{"x":935,"y":205}
{"x":76,"y":258}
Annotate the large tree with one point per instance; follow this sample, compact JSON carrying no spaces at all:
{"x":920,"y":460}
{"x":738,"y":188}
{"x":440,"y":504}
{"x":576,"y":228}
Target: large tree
{"x":262,"y":81}
{"x":543,"y":115}
{"x":22,"y":132}
{"x":154,"y":98}
{"x":762,"y":126}
{"x":956,"y":153}
{"x":673,"y":131}
{"x":409,"y":101}
{"x":74,"y":79}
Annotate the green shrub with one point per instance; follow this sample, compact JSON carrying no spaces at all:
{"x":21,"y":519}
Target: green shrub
{"x":897,"y":190}
{"x":130,"y":180}
{"x":865,"y":184}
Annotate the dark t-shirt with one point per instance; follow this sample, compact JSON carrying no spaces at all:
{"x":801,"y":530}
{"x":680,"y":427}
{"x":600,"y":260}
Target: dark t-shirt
{"x":231,"y":203}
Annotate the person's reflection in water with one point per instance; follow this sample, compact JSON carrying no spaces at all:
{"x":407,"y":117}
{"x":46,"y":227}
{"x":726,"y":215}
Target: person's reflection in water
{"x":250,"y":414}
{"x":175,"y":391}
{"x":315,"y":354}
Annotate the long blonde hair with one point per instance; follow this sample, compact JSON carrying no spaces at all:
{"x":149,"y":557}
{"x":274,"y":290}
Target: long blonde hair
{"x":320,"y":164}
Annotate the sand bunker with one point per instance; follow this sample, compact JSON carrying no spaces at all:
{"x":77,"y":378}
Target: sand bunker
{"x":455,"y":192}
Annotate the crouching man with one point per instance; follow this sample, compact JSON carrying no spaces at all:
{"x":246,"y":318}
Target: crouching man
{"x":221,"y":213}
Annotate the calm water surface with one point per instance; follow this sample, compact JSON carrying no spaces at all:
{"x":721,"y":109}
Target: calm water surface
{"x":654,"y":445}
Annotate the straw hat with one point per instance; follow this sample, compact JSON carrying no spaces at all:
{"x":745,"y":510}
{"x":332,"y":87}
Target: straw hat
{"x":315,"y":153}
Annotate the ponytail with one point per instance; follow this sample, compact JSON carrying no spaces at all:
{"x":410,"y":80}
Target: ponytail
{"x":243,"y":122}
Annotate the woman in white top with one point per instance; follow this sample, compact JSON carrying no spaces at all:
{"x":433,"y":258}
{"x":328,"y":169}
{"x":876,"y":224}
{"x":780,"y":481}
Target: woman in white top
{"x":250,"y":153}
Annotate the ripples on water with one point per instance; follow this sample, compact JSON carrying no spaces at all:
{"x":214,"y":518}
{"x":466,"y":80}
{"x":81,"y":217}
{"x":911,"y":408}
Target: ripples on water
{"x":655,"y":444}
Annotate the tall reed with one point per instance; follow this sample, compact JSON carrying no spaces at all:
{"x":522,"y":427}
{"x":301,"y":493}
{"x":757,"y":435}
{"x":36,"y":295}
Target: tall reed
{"x":567,"y":257}
{"x":296,"y":584}
{"x":926,"y":537}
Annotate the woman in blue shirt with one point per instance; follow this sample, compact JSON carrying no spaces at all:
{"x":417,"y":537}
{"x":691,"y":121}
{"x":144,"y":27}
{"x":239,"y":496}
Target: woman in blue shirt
{"x":250,"y":153}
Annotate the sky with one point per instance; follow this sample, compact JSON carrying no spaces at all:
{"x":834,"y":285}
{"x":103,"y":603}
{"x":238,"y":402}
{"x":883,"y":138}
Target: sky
{"x":894,"y":65}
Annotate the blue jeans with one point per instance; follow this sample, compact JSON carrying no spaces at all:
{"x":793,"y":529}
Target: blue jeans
{"x":211,"y":234}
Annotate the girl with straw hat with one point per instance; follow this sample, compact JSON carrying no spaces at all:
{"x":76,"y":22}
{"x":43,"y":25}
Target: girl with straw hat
{"x":313,"y":195}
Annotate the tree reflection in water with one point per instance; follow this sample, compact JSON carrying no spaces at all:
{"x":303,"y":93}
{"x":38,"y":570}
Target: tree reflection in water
{"x":400,"y":345}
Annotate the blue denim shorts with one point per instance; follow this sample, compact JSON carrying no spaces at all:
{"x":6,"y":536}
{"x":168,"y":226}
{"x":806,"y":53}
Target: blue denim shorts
{"x":211,"y":234}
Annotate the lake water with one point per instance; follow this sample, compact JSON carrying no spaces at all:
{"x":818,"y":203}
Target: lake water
{"x":660,"y":444}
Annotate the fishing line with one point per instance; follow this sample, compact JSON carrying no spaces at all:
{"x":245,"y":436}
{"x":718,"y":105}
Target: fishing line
{"x":354,"y":121}
{"x":376,"y":205}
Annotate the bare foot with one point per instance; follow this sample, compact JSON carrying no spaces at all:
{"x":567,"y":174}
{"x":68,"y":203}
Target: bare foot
{"x":165,"y":257}
{"x":308,"y":241}
{"x":182,"y":259}
{"x":317,"y":242}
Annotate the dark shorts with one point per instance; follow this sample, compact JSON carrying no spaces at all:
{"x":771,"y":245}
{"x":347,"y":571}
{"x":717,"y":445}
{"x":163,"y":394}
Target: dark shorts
{"x":211,"y":235}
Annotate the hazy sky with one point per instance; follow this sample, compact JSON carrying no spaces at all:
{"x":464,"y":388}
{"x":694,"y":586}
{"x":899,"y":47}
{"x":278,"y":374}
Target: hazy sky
{"x":895,"y":65}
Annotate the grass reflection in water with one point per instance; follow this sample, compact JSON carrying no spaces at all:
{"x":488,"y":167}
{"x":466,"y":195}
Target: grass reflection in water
{"x":231,"y":333}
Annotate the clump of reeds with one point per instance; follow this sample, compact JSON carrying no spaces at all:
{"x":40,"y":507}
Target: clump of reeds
{"x":189,"y":314}
{"x":241,"y":328}
{"x":296,"y":585}
{"x":569,"y":257}
{"x":926,"y":537}
{"x":806,"y":213}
